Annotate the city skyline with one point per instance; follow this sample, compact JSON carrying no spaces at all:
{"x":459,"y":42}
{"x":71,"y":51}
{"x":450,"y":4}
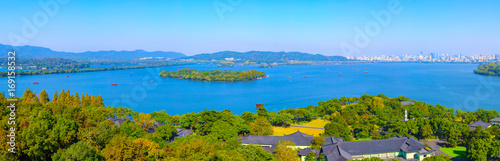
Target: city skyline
{"x":320,"y":27}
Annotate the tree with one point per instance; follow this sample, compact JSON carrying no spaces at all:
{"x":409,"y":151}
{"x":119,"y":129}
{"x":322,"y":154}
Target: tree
{"x":478,"y":144}
{"x":119,"y":148}
{"x":262,"y":112}
{"x":317,"y":142}
{"x":189,"y":120}
{"x":44,"y":97}
{"x":166,"y":131}
{"x":311,"y":157}
{"x":144,"y":149}
{"x":176,"y":119}
{"x":261,"y":127}
{"x":255,"y":152}
{"x":338,"y":130}
{"x":223,"y":130}
{"x":426,"y":131}
{"x":247,"y":116}
{"x":280,"y":119}
{"x":78,"y":151}
{"x":285,"y":151}
{"x":495,"y":149}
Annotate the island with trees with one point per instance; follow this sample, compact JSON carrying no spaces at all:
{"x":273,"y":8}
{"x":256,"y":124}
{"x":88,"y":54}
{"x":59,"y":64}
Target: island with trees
{"x":489,"y":69}
{"x":213,"y":75}
{"x":70,"y":126}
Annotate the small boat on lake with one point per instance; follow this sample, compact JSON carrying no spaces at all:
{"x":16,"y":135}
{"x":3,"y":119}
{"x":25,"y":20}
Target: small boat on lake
{"x":35,"y":83}
{"x":114,"y":84}
{"x":305,"y":76}
{"x":151,"y":81}
{"x":366,"y":71}
{"x":130,"y":75}
{"x":340,"y":75}
{"x":289,"y":77}
{"x":67,"y":75}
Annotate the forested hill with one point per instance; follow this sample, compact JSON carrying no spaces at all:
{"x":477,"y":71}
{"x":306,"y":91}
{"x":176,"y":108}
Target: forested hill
{"x":492,"y":69}
{"x":41,"y":52}
{"x":267,"y":56}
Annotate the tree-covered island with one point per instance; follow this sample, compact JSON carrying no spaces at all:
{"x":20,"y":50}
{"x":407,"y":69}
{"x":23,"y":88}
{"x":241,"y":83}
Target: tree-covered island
{"x":491,"y":69}
{"x":213,"y":75}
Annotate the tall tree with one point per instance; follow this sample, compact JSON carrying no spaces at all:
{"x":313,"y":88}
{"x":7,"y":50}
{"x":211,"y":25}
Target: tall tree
{"x":261,"y":127}
{"x":285,"y":151}
{"x":44,"y":97}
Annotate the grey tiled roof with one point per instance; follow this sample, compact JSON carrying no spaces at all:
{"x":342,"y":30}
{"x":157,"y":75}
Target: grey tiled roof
{"x":332,"y":140}
{"x":298,"y":138}
{"x":473,"y":125}
{"x":343,"y":150}
{"x":334,"y":153}
{"x":496,"y":119}
{"x":304,"y":152}
{"x":406,"y":102}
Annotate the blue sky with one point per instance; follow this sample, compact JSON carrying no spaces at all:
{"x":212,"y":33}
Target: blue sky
{"x":318,"y":27}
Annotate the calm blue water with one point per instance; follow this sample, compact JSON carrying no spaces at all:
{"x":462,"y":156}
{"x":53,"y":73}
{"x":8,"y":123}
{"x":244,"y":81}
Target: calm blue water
{"x":452,"y":85}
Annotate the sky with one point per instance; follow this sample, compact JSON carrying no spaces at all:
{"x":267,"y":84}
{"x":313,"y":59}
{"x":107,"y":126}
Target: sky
{"x":335,"y":27}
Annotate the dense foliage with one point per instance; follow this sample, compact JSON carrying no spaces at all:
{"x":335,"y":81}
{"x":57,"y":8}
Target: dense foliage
{"x":213,"y":75}
{"x":263,"y":56}
{"x":46,"y":63}
{"x":77,"y":70}
{"x":74,"y":127}
{"x":492,"y":69}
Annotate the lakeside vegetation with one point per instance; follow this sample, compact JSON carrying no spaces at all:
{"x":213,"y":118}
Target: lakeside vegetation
{"x":46,"y":63}
{"x":490,"y":69}
{"x":77,"y":127}
{"x":213,"y":75}
{"x":77,"y":70}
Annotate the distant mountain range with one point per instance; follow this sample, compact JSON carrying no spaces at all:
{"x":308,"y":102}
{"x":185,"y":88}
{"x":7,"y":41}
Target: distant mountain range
{"x":255,"y":56}
{"x":267,"y":56}
{"x":41,"y":52}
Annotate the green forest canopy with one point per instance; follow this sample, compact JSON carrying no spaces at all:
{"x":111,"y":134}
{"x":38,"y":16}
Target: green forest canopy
{"x":213,"y":75}
{"x":492,"y":69}
{"x":77,"y":127}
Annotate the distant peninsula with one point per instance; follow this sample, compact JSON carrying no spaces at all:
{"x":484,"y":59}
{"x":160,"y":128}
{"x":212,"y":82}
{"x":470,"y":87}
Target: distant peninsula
{"x":213,"y":75}
{"x":489,"y":69}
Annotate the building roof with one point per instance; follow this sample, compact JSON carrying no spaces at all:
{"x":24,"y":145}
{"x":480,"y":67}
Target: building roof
{"x":343,"y":150}
{"x":298,"y":138}
{"x":473,"y":125}
{"x":496,"y":119}
{"x":332,"y":140}
{"x":304,"y":152}
{"x":118,"y":121}
{"x":404,"y":103}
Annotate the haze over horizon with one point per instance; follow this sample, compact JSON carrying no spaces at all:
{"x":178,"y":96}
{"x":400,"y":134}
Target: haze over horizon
{"x":319,"y":27}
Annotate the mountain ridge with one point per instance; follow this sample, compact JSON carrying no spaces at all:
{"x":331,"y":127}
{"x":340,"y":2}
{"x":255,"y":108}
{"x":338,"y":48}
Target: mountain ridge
{"x":28,"y":51}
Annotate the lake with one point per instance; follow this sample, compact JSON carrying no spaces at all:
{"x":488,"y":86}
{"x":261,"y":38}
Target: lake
{"x":451,"y":85}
